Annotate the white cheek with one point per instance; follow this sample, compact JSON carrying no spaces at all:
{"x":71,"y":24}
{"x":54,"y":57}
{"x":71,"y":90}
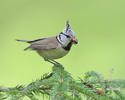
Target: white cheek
{"x":65,"y":41}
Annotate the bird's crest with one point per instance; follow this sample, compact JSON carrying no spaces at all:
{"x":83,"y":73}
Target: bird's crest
{"x":68,"y":30}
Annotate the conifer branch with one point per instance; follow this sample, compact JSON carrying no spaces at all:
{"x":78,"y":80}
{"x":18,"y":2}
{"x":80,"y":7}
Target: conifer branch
{"x":59,"y":85}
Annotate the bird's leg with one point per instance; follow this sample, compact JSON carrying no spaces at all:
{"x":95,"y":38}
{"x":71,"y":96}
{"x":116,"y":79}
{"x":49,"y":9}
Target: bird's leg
{"x":52,"y":61}
{"x":49,"y":61}
{"x":55,"y":62}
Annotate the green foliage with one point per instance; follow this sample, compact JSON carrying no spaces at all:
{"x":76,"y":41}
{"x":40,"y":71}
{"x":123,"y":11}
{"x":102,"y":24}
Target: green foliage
{"x":59,"y":85}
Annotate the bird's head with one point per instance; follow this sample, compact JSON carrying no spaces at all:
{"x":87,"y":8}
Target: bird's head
{"x":67,"y":36}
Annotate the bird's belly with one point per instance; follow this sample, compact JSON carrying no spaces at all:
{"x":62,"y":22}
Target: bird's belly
{"x":53,"y":53}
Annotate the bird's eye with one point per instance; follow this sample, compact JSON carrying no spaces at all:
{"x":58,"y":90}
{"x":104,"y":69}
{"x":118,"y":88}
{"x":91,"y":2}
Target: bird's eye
{"x":67,"y":36}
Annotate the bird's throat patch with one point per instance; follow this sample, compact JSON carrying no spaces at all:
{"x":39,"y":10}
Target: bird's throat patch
{"x":68,"y":47}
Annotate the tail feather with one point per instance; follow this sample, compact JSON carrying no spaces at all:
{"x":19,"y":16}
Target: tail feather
{"x":26,"y":42}
{"x":27,"y":48}
{"x":22,"y":41}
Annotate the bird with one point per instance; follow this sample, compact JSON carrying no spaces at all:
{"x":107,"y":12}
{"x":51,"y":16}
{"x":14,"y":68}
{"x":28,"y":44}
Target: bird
{"x":54,"y":47}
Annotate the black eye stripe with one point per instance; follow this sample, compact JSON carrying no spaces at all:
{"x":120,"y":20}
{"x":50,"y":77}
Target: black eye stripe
{"x":60,"y":37}
{"x":65,"y":35}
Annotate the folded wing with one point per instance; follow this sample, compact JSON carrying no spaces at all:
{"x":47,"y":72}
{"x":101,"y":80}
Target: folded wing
{"x":43,"y":44}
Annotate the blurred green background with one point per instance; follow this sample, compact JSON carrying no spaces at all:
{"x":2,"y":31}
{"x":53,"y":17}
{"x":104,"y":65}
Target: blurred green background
{"x":99,"y":26}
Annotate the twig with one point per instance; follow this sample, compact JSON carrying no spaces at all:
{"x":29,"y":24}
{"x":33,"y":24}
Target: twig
{"x":48,"y":76}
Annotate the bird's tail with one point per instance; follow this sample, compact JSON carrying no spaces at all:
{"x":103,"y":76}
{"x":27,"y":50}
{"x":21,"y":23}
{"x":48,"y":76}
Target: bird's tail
{"x":27,"y":48}
{"x":23,"y":41}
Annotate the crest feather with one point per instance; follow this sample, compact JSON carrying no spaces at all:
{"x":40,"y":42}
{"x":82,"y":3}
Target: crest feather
{"x":68,"y":30}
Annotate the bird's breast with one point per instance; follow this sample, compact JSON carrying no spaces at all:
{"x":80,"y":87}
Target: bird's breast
{"x":59,"y":52}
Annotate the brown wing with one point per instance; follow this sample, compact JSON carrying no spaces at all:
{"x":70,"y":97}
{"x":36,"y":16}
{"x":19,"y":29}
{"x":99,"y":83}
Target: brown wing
{"x":35,"y":40}
{"x":44,"y":44}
